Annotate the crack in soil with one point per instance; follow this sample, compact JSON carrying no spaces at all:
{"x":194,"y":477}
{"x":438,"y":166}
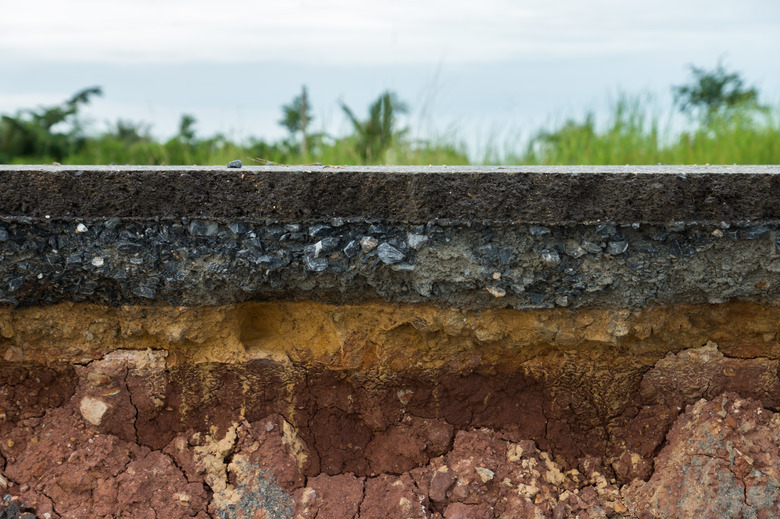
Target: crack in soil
{"x":730,"y":467}
{"x":52,"y":501}
{"x":547,"y":431}
{"x":134,"y":421}
{"x":362,"y":498}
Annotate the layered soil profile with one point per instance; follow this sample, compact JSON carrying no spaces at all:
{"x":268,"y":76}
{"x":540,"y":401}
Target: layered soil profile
{"x":327,"y":342}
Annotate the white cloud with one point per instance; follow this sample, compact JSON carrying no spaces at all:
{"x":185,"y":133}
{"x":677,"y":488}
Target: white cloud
{"x":355,"y":32}
{"x":11,"y":101}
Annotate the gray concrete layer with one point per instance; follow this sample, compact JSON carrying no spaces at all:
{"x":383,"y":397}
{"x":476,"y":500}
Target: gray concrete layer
{"x":310,"y":194}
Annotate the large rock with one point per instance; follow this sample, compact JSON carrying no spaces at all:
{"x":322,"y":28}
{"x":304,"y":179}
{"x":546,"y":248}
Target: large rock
{"x":722,"y":460}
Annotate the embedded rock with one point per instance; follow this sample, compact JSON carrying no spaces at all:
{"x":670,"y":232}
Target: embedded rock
{"x":722,"y":459}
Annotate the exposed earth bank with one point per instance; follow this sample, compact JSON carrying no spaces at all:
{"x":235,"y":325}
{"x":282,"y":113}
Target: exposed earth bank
{"x":720,"y":459}
{"x":323,"y":342}
{"x":282,"y":410}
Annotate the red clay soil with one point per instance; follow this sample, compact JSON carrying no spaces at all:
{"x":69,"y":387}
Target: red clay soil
{"x":622,"y":420}
{"x":721,"y":459}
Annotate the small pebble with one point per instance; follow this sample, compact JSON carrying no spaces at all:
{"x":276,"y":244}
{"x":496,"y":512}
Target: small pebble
{"x":235,"y":164}
{"x":496,"y":291}
{"x":550,"y":257}
{"x":484,"y":474}
{"x":538,"y":230}
{"x":368,"y":243}
{"x":617,"y":247}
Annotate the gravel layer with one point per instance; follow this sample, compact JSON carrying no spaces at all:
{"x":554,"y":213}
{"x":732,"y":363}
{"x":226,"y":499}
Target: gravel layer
{"x":442,"y":262}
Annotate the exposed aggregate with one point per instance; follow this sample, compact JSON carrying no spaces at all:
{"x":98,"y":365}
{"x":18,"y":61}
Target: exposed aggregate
{"x":443,"y":262}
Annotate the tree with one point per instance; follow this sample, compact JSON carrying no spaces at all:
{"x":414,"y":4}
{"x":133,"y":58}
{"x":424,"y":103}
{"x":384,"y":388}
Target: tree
{"x":129,"y":132}
{"x":48,"y":117}
{"x":714,"y":92}
{"x":297,"y":116}
{"x":31,"y":133}
{"x":187,"y":129}
{"x":375,"y":134}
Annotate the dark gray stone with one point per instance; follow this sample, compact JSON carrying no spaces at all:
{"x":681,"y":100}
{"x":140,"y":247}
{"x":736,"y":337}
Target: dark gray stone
{"x":319,"y":230}
{"x":128,"y":247}
{"x":538,"y":230}
{"x":398,"y":243}
{"x":111,"y":223}
{"x":352,"y":248}
{"x":15,"y":283}
{"x":755,"y":232}
{"x":377,"y":229}
{"x":144,"y":291}
{"x":617,"y":247}
{"x":593,"y":248}
{"x":329,"y":244}
{"x":416,"y":241}
{"x":389,"y":254}
{"x":316,"y":264}
{"x":324,"y":246}
{"x":606,"y":230}
{"x":265,"y":259}
{"x":574,"y":250}
{"x":203,"y":228}
{"x":550,"y":257}
{"x":235,"y":164}
{"x":238,"y":228}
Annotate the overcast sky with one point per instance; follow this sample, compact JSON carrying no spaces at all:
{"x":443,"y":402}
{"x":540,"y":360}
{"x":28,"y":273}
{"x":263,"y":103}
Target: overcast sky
{"x":471,"y":67}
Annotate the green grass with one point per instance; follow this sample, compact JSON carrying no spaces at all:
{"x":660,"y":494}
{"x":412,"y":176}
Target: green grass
{"x":630,"y":134}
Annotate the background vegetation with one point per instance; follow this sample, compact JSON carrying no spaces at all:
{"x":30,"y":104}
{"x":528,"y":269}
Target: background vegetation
{"x":724,"y":124}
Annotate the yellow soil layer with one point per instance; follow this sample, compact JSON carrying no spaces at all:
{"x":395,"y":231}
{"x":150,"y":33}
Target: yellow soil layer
{"x":383,"y":338}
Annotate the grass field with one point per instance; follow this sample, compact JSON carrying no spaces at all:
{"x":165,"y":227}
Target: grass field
{"x":631,"y":136}
{"x":628,"y":135}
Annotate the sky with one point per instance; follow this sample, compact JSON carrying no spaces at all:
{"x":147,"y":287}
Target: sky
{"x":483,"y":72}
